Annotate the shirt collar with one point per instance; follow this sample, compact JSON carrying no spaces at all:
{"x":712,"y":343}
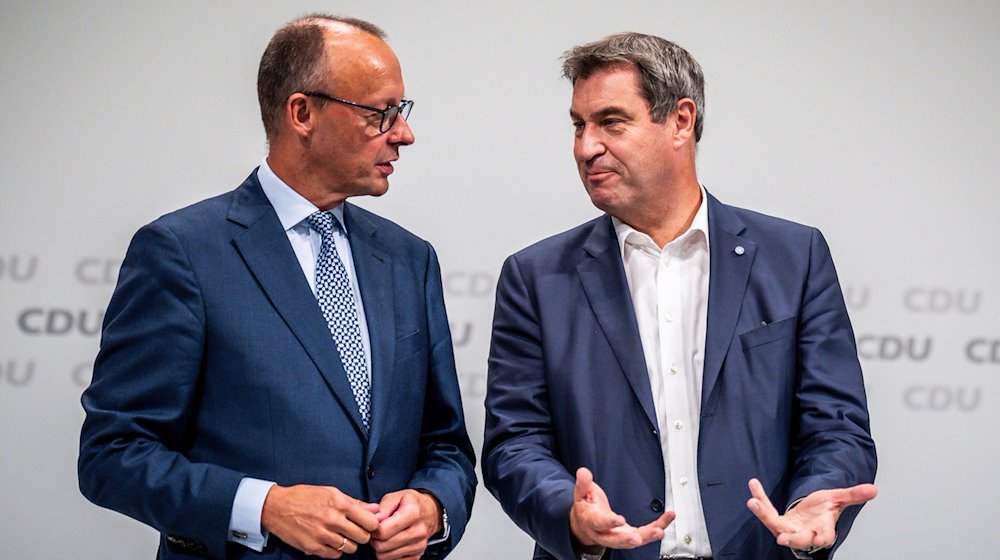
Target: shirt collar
{"x":291,"y":207}
{"x":628,"y":234}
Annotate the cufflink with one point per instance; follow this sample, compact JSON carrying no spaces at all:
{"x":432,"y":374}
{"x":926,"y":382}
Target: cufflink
{"x":445,"y":526}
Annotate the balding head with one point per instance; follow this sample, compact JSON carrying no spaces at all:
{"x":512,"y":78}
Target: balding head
{"x":296,"y":59}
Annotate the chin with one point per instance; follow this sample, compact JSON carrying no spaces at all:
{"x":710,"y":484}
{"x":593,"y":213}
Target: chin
{"x":602,"y":199}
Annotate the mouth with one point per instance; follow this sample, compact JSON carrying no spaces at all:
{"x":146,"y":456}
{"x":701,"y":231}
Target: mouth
{"x":384,"y":167}
{"x":598,"y":175}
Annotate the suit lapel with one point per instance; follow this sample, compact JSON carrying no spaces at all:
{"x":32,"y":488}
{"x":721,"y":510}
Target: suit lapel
{"x":373,"y":264}
{"x":732,"y":257}
{"x":267,"y":253}
{"x":603,"y":277}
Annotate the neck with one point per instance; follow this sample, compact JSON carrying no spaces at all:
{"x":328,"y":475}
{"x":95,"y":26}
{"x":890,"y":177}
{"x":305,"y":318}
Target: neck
{"x":670,"y":215}
{"x":290,"y":169}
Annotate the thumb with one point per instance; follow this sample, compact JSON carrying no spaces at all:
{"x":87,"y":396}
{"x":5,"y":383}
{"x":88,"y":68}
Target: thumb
{"x":584,"y":484}
{"x":855,"y":495}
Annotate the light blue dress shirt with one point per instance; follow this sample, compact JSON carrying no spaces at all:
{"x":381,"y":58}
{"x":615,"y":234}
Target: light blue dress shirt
{"x":292,"y":210}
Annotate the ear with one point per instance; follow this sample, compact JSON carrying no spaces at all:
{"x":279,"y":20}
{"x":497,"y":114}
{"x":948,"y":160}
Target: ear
{"x":684,"y":117}
{"x":299,"y":114}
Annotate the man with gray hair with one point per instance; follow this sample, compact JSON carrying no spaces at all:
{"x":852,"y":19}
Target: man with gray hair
{"x":276,"y":374}
{"x":648,"y":365}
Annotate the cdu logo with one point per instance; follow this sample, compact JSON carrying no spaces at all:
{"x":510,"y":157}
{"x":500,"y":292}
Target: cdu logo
{"x":894,"y":348}
{"x":60,"y":322}
{"x":983,"y":351}
{"x":16,"y":374}
{"x":940,"y":398}
{"x":97,"y":271}
{"x":940,"y":300}
{"x":469,"y":284}
{"x":18,"y":268}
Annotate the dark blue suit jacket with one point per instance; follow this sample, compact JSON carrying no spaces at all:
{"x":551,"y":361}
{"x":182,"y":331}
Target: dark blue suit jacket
{"x":783,"y":402}
{"x":216,"y":364}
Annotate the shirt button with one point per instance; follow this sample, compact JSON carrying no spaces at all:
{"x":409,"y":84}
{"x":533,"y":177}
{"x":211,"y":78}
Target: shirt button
{"x":656,"y":505}
{"x":687,"y":539}
{"x":684,"y":481}
{"x":678,"y":424}
{"x":669,"y":317}
{"x":674,"y":369}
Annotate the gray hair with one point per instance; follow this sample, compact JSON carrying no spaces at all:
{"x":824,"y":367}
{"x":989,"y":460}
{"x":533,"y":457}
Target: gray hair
{"x":295,"y":60}
{"x":667,"y":72}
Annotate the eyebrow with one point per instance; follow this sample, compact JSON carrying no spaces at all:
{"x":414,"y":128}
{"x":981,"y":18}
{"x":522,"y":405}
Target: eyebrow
{"x":605,"y":112}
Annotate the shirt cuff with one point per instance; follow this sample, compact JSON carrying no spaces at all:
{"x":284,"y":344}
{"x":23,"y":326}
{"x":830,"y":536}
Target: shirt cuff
{"x":248,"y":505}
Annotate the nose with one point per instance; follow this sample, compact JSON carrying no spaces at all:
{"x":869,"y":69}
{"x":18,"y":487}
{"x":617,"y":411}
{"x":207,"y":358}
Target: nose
{"x":400,"y":133}
{"x":587,"y":145}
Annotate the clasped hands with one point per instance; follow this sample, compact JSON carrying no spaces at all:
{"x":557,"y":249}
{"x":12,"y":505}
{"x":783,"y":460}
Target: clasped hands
{"x":810,"y":524}
{"x":325,"y":522}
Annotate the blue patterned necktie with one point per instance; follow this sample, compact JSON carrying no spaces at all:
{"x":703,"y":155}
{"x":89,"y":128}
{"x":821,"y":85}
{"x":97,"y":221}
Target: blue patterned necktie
{"x":336,"y":299}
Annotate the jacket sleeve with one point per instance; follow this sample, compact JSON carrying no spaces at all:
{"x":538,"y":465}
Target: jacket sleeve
{"x":447,"y":461}
{"x":832,"y":445}
{"x":519,"y":465}
{"x":141,"y":404}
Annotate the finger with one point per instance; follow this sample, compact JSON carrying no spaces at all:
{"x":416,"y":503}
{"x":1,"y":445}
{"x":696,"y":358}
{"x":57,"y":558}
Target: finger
{"x":801,"y":540}
{"x":761,"y":507}
{"x":407,"y":543}
{"x":389,"y":504}
{"x":856,"y":495}
{"x":377,"y":510}
{"x":335,"y":545}
{"x":626,"y":537}
{"x":352,"y":531}
{"x":404,"y":517}
{"x":584,"y":482}
{"x":654,"y":531}
{"x":359,"y":515}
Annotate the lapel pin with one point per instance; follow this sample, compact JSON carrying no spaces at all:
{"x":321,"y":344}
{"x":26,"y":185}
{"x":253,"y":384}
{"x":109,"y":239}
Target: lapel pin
{"x":739,"y":250}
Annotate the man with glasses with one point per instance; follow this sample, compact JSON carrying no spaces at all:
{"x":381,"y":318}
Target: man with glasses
{"x":677,"y":378}
{"x":276,"y":369}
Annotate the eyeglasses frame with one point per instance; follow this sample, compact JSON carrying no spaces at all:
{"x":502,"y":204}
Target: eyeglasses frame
{"x":404,"y":108}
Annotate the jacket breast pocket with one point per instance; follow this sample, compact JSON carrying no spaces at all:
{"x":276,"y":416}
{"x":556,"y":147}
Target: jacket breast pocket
{"x":760,"y":336}
{"x":410,"y":344}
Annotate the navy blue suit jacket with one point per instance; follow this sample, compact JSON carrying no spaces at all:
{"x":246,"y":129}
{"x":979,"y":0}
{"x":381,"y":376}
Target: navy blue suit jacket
{"x":216,"y":364}
{"x":782,"y":395}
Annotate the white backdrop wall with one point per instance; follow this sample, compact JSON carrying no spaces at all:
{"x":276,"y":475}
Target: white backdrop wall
{"x":875,"y":121}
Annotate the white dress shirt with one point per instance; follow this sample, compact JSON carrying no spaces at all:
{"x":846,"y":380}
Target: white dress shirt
{"x":292,"y":210}
{"x":669,"y":289}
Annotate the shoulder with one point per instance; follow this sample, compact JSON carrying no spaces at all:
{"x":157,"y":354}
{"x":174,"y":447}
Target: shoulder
{"x":244,"y":204}
{"x":385,"y":233}
{"x":566,"y":248}
{"x":759,"y":227}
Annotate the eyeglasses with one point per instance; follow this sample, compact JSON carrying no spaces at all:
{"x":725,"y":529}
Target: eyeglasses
{"x":389,"y":114}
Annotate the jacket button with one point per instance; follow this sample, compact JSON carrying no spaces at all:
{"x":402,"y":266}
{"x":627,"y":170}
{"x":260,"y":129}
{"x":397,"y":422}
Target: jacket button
{"x":656,"y":505}
{"x":371,"y":471}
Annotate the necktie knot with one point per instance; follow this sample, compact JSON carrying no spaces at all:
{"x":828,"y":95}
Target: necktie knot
{"x":323,"y":222}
